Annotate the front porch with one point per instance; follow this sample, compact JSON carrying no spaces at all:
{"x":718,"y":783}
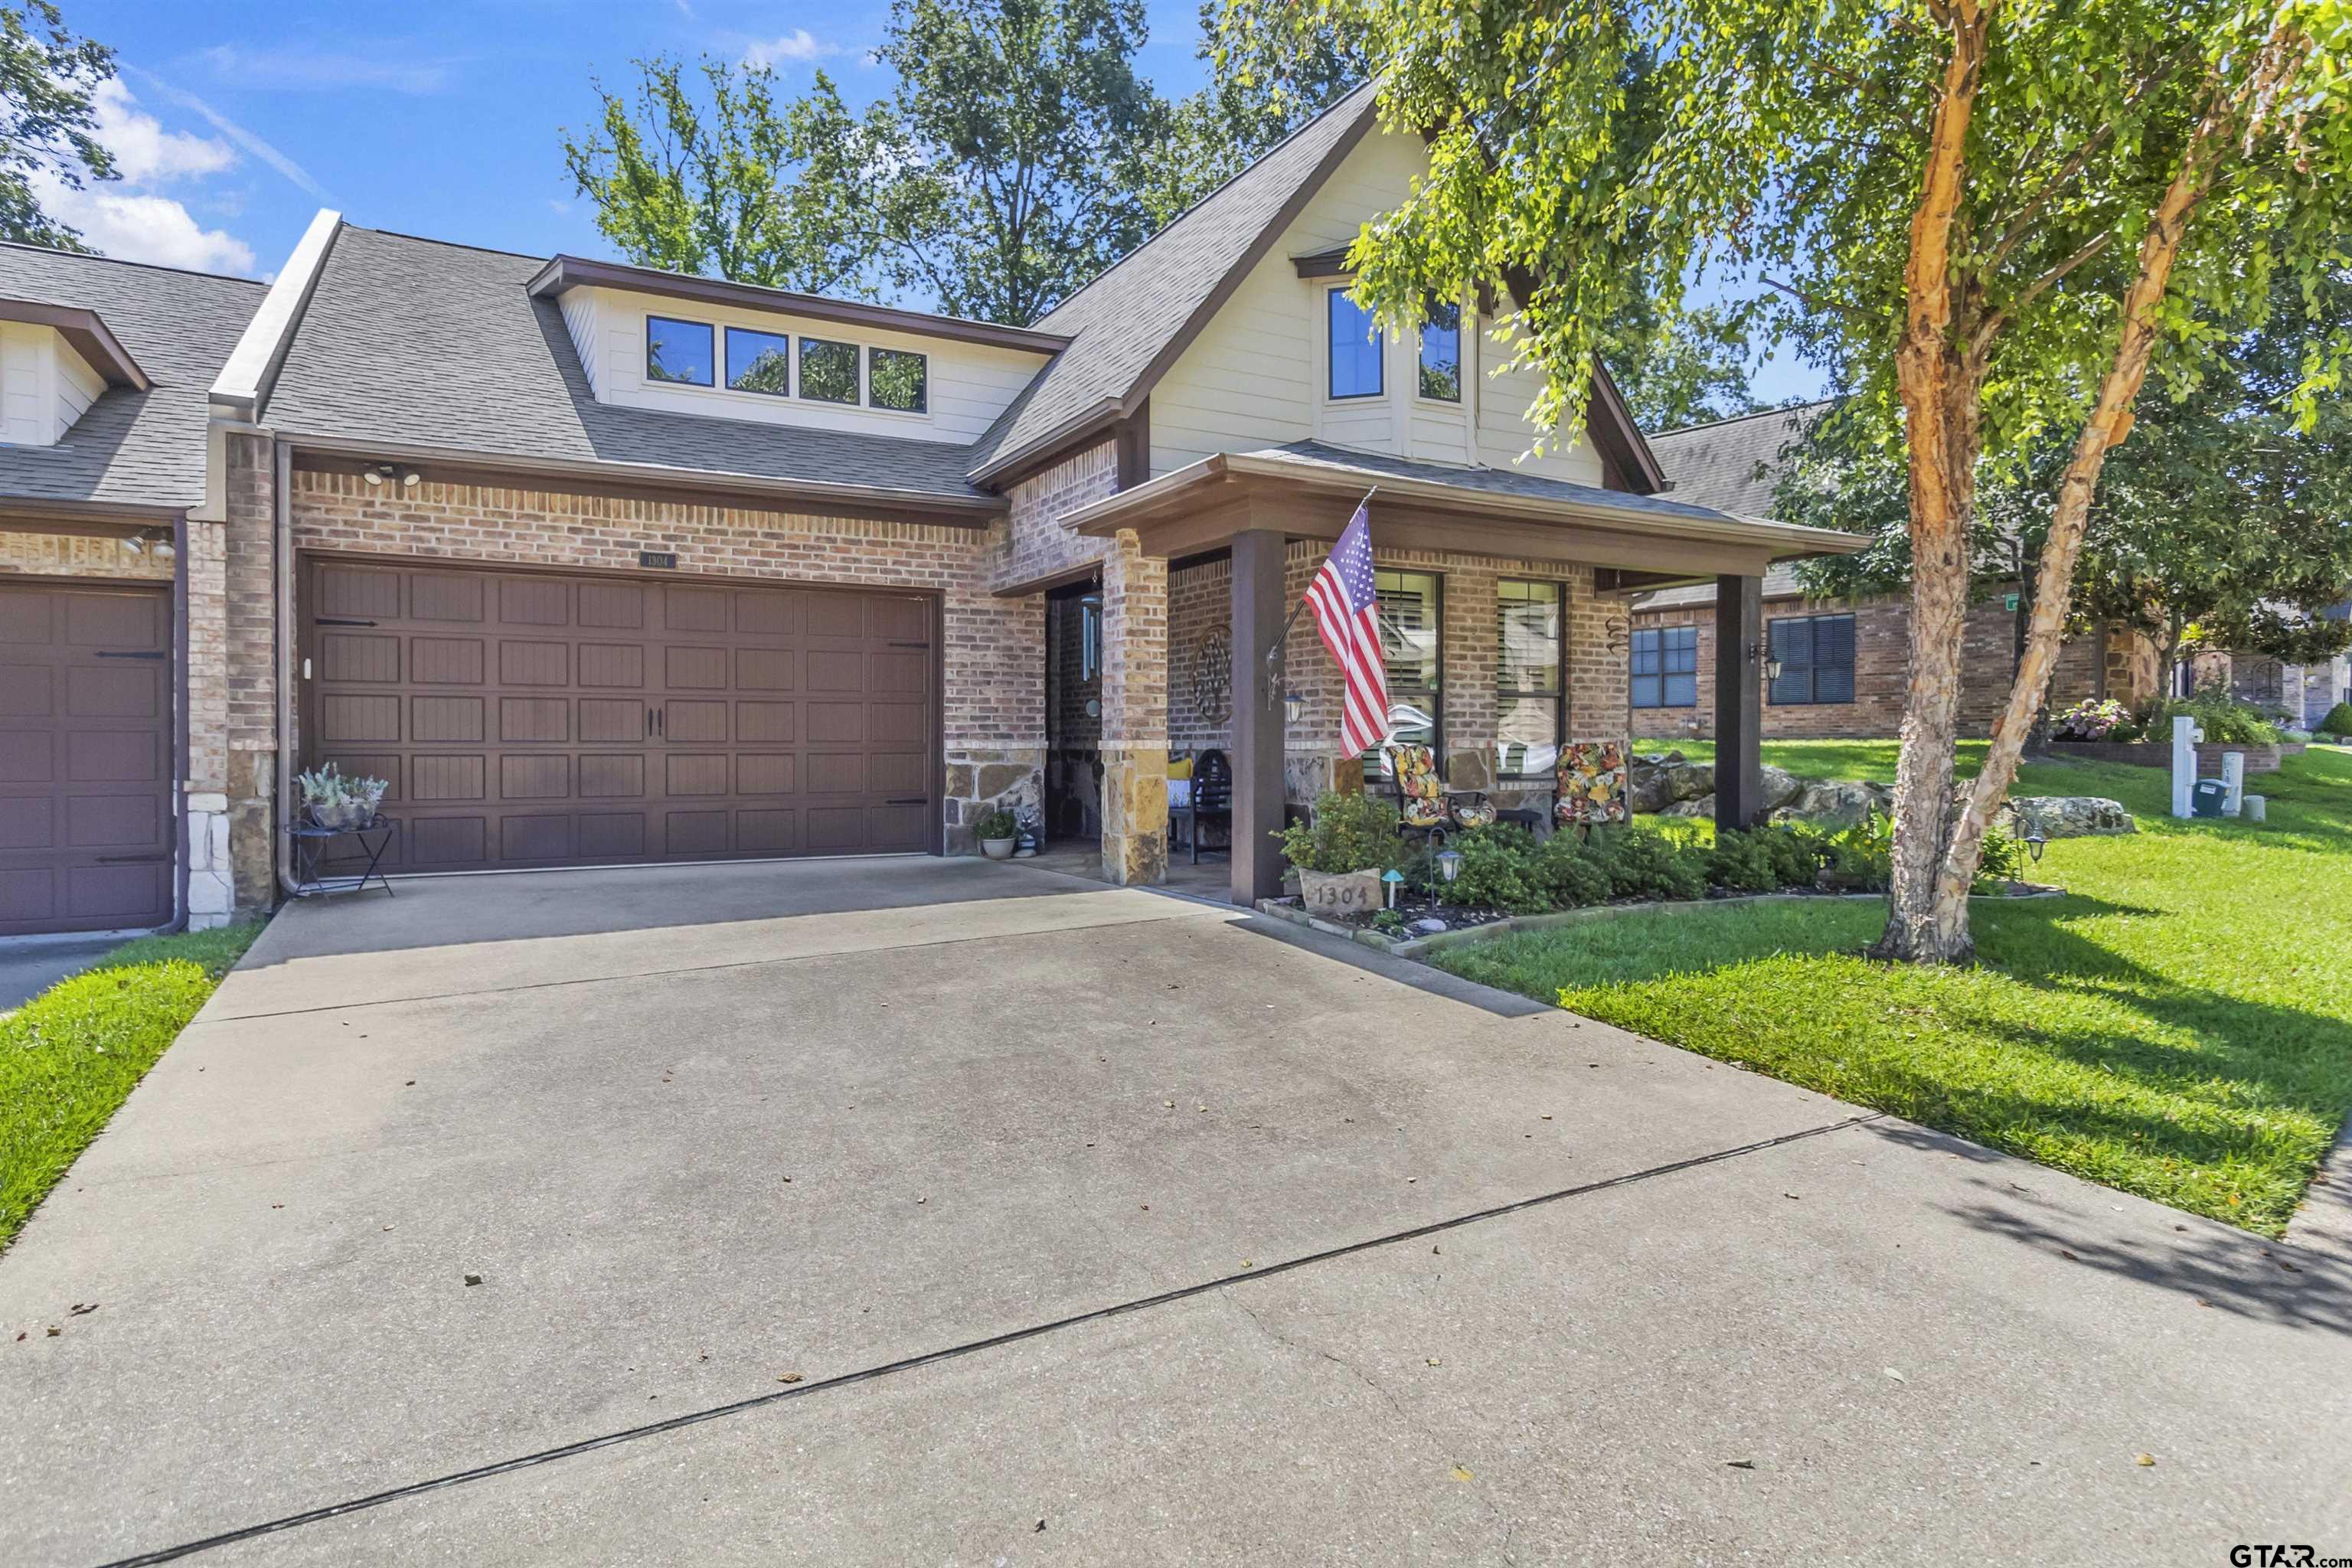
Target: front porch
{"x":1504,"y":606}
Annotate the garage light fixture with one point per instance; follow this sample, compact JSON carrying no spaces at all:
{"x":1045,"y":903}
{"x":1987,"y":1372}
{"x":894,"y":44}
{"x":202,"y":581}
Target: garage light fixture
{"x":378,"y":475}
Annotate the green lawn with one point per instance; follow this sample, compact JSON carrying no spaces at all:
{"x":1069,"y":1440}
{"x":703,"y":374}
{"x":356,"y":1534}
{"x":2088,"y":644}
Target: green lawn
{"x":69,"y":1056}
{"x":2179,"y":1025}
{"x":1826,"y":759}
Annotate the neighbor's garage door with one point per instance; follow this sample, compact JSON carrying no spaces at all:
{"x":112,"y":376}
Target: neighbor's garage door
{"x":529,"y":719}
{"x":86,"y":824}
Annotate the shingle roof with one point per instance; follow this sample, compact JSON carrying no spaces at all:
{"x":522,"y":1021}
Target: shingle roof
{"x":415,"y":343}
{"x":130,"y":448}
{"x":1499,"y":482}
{"x":1123,"y":322}
{"x":1730,"y":465}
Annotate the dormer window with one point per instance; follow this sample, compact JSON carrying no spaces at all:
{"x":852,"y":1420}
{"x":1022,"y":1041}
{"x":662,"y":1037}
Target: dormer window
{"x":1441,"y":352}
{"x":899,"y":380}
{"x":1356,"y":349}
{"x":678,"y":350}
{"x":758,"y":362}
{"x":828,"y":370}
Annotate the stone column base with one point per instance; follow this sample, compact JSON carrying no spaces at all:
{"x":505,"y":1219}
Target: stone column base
{"x":1011,"y":778}
{"x":1134,"y":815}
{"x":211,"y":881}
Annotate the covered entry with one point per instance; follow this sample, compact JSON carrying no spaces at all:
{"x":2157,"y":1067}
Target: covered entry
{"x":547,"y":718}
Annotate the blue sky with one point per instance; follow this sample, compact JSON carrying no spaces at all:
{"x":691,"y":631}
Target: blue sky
{"x":235,"y":123}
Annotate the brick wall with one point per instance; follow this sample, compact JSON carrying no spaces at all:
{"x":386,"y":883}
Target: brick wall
{"x":1200,"y":648}
{"x":1882,"y":657}
{"x":248,"y":608}
{"x":71,"y":555}
{"x":993,"y":696}
{"x":1037,"y":545}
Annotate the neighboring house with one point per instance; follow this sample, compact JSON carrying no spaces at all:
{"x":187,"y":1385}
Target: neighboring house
{"x":601,"y":565}
{"x":1843,"y":663}
{"x":2300,"y":693}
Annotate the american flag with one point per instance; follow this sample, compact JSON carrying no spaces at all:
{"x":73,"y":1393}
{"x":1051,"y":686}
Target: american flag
{"x":1347,"y":612}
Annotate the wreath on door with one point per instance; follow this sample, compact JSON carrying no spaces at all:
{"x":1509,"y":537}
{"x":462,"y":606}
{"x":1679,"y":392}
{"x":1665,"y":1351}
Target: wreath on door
{"x":1213,"y":679}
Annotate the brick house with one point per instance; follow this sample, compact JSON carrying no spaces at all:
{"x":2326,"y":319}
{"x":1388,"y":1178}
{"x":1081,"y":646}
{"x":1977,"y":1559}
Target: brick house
{"x":1843,"y":663}
{"x":600,"y":564}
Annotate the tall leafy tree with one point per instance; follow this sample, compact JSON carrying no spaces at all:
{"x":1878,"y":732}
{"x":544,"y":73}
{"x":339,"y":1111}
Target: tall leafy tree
{"x":1005,"y":169}
{"x":710,"y":172}
{"x":1684,"y":367}
{"x":48,"y":124}
{"x":1994,"y":215}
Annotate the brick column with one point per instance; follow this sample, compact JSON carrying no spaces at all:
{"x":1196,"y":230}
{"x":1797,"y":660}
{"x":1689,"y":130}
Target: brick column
{"x":1472,"y":653}
{"x":1135,"y":714}
{"x":212,"y":894}
{"x":249,"y":600}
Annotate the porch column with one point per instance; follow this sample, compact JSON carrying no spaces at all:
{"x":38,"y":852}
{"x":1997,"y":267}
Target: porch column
{"x":1260,"y":606}
{"x":1738,"y":701}
{"x":1135,"y":714}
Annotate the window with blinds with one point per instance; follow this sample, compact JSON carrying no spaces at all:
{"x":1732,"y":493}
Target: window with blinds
{"x":1816,"y":657}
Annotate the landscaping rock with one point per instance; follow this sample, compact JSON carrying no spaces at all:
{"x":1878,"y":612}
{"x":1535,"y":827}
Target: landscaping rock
{"x":1656,"y":782}
{"x":1780,"y":786}
{"x":2067,"y":816}
{"x":1837,"y":803}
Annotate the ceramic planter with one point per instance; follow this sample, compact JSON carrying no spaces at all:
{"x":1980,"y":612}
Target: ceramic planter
{"x":998,"y":848}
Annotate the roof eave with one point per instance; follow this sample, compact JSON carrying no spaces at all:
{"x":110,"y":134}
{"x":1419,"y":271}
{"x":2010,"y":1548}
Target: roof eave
{"x":567,"y":272}
{"x":87,"y":330}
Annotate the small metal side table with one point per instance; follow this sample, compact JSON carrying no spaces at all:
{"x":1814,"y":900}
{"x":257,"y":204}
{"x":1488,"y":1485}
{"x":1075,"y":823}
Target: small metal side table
{"x":310,"y":845}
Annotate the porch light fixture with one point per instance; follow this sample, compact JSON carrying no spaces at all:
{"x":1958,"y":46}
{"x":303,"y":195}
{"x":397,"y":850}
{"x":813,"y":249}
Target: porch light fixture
{"x":409,"y":478}
{"x":1294,"y":708}
{"x":1757,"y":652}
{"x":376,"y":473}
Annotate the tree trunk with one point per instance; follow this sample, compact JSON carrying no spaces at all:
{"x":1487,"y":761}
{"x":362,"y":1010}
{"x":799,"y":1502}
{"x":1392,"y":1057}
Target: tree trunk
{"x":1940,"y":384}
{"x":2109,"y":422}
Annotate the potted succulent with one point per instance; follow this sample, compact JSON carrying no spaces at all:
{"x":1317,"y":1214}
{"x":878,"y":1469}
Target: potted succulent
{"x":999,"y":831}
{"x":330,"y":799}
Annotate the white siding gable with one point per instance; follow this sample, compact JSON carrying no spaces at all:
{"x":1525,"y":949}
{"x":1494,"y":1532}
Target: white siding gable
{"x":969,"y":385}
{"x":1258,"y":373}
{"x":45,"y":386}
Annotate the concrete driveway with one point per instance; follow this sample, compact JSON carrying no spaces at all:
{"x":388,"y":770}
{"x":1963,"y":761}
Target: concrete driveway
{"x":915,"y":1211}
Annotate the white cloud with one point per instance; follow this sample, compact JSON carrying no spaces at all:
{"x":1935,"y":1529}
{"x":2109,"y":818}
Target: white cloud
{"x":795,"y":48}
{"x":147,"y":228}
{"x":295,"y":174}
{"x":322,"y":70}
{"x":132,"y":217}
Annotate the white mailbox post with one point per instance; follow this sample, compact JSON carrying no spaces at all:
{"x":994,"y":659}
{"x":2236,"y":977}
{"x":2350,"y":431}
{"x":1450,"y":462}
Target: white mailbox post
{"x":2233,"y":781}
{"x":2185,"y":736}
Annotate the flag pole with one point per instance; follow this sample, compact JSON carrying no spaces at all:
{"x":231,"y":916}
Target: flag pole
{"x":1273,"y":675}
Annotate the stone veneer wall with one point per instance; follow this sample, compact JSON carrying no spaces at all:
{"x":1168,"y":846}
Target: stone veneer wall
{"x":1882,"y":633}
{"x":992,"y":700}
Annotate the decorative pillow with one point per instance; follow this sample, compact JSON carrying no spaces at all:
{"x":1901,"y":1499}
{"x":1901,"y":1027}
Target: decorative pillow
{"x":1181,"y":768}
{"x":1474,"y":811}
{"x":1590,"y":782}
{"x":1420,"y":798}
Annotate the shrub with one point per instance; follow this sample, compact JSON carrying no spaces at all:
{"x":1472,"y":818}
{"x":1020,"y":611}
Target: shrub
{"x":1569,"y":873}
{"x":1352,"y":832}
{"x":2091,"y":719}
{"x":1643,"y":863}
{"x":1863,"y":856}
{"x":2338,"y":720}
{"x":998,"y":824}
{"x":1498,"y":871}
{"x":2225,"y":720}
{"x":2003,"y":860}
{"x":1763,"y":859}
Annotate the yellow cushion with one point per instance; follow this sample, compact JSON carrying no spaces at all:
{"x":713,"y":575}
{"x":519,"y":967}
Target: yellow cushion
{"x":1181,"y":770}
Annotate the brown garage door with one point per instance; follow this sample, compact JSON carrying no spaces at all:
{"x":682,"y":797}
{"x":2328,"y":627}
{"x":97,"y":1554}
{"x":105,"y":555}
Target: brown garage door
{"x":86,"y":824}
{"x":527,"y":718}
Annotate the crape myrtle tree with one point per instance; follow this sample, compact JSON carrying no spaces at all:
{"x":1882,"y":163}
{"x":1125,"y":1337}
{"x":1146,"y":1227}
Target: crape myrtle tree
{"x":1994,"y":215}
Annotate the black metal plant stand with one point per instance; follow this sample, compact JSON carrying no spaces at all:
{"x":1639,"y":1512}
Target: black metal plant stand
{"x":310,"y":846}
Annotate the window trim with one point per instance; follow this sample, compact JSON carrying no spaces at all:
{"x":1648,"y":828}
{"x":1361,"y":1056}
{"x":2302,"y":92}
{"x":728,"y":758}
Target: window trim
{"x":867,"y":352}
{"x":1457,"y":402}
{"x":1437,"y":687}
{"x":1558,"y":697}
{"x":801,"y":341}
{"x":1380,"y":346}
{"x":1633,"y":646}
{"x":791,"y":367}
{"x":646,"y":339}
{"x":1813,"y":666}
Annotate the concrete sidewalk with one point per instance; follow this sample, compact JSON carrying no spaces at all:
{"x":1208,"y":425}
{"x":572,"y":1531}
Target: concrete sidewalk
{"x":869,"y":1113}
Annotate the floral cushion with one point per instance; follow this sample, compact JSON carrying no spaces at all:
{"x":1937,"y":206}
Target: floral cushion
{"x":1589,"y":781}
{"x":1420,"y":799}
{"x":1474,"y":811}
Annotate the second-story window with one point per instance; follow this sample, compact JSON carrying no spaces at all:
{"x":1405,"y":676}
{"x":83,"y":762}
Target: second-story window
{"x":1356,"y":348}
{"x":1441,"y":352}
{"x":758,"y":362}
{"x":828,"y":370}
{"x":678,"y":350}
{"x":899,"y":380}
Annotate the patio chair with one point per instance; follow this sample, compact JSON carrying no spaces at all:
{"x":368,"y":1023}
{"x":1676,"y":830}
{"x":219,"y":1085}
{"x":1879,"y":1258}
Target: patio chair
{"x":1212,"y":798}
{"x":1425,"y":805}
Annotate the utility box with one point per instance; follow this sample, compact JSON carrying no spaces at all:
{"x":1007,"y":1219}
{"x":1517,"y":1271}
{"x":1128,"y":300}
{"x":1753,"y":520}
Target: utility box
{"x":2208,"y":797}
